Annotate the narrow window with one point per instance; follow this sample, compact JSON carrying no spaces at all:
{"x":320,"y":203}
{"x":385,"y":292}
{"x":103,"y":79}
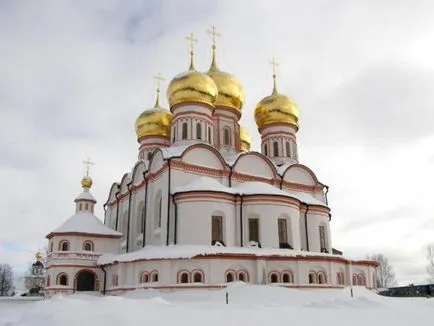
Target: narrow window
{"x":265,"y":150}
{"x":322,"y":238}
{"x":275,"y":149}
{"x":63,"y":280}
{"x":198,"y":131}
{"x":286,"y":278}
{"x":149,"y":156}
{"x":174,"y":134}
{"x":209,"y":135}
{"x":184,"y":277}
{"x":288,"y":149}
{"x":159,"y":211}
{"x":242,"y":276}
{"x":87,"y":246}
{"x":86,"y":206}
{"x":321,"y":278}
{"x":254,"y":229}
{"x":274,"y":278}
{"x":217,"y":230}
{"x":65,"y":246}
{"x":283,"y":232}
{"x":144,"y":278}
{"x":155,"y":277}
{"x":142,"y":221}
{"x":197,"y":277}
{"x":184,"y":130}
{"x":312,"y":278}
{"x":226,"y":137}
{"x":294,"y":150}
{"x":230,"y":277}
{"x":354,"y":279}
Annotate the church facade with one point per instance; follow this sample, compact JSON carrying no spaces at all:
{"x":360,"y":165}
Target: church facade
{"x":199,"y":209}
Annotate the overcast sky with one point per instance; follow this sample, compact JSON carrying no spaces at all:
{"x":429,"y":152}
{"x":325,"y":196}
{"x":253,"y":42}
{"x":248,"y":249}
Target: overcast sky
{"x":74,"y":75}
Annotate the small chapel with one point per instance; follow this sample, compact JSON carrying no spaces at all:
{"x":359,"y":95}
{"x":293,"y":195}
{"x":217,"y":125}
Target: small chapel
{"x":199,"y":208}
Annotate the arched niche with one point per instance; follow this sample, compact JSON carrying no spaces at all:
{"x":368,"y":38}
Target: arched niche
{"x":300,"y":174}
{"x":252,"y":163}
{"x":204,"y":155}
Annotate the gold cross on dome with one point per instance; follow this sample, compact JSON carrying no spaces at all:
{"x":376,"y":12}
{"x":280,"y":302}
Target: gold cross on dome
{"x":214,"y":34}
{"x":192,"y":41}
{"x":274,"y":64}
{"x":158,"y":78}
{"x":87,"y":164}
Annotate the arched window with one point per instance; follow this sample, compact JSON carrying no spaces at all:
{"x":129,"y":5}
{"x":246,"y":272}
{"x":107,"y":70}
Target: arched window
{"x":144,"y":277}
{"x":64,"y":245}
{"x":62,"y":279}
{"x":88,"y":246}
{"x":287,"y":277}
{"x":154,"y":277}
{"x":115,"y":280}
{"x":312,"y":278}
{"x":184,"y":130}
{"x":265,"y":150}
{"x":340,"y":278}
{"x":288,"y":149}
{"x":361,"y":280}
{"x":209,"y":135}
{"x":197,"y":277}
{"x":322,"y":278}
{"x":174,"y":134}
{"x":184,"y":277}
{"x":230,"y":277}
{"x":216,"y":230}
{"x":198,"y":131}
{"x":51,"y":246}
{"x":226,"y":137}
{"x":322,"y":238}
{"x":149,"y":155}
{"x":275,"y":149}
{"x":242,"y":276}
{"x":274,"y":278}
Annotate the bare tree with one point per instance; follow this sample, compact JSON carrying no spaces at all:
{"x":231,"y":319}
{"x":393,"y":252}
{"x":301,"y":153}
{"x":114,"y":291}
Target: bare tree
{"x":385,"y":274}
{"x":430,"y":266}
{"x":6,"y":280}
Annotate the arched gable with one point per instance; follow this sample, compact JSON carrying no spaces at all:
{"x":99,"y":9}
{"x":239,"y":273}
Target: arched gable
{"x":256,"y":164}
{"x":124,"y":183}
{"x":300,"y":174}
{"x":137,"y":174}
{"x":156,"y":162}
{"x":113,"y":191}
{"x":204,"y":155}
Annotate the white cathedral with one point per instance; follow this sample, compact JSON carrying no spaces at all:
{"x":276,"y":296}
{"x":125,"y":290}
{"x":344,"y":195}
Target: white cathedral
{"x":199,"y":209}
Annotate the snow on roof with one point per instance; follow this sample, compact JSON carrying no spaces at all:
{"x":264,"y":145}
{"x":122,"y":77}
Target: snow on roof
{"x":85,"y":195}
{"x":86,"y":223}
{"x":174,"y":151}
{"x":246,"y":188}
{"x":190,"y":251}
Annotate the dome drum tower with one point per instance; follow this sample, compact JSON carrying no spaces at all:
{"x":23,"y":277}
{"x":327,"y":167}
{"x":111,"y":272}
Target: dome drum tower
{"x":277,"y":118}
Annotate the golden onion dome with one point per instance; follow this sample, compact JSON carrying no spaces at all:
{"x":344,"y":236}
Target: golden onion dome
{"x":86,"y":182}
{"x":276,"y":108}
{"x":154,"y":122}
{"x":192,"y":87}
{"x":245,"y":139}
{"x":230,"y":90}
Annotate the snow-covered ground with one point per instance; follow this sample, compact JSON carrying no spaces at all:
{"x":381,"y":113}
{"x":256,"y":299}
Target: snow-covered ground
{"x":248,"y":305}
